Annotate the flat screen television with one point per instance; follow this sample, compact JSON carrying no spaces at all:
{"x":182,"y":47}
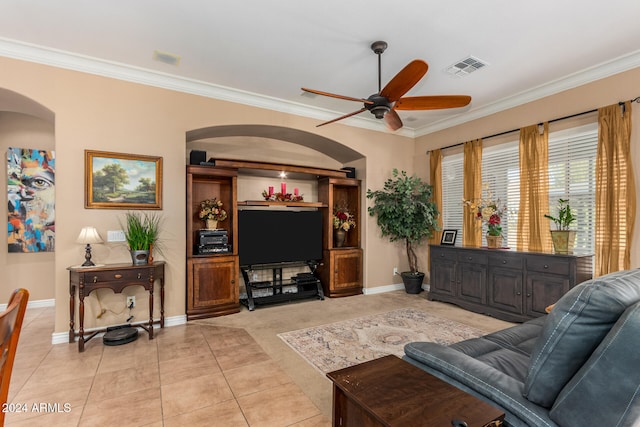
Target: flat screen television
{"x":279,"y":236}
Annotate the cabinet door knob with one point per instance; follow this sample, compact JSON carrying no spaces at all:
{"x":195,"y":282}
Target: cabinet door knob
{"x":119,"y":276}
{"x":546,"y":266}
{"x":233,"y":281}
{"x":504,"y":261}
{"x":528,"y":295}
{"x":518,"y":293}
{"x":469,"y":258}
{"x":95,"y":279}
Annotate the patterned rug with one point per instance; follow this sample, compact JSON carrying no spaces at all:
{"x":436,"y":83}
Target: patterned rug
{"x":342,"y":344}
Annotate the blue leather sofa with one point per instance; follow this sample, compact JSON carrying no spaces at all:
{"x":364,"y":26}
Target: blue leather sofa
{"x":577,"y":366}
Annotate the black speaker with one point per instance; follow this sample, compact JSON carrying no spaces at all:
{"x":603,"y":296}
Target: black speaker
{"x":196,"y":157}
{"x":351,"y":172}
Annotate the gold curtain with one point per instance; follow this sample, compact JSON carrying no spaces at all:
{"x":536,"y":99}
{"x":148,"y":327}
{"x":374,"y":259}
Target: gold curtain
{"x":615,"y":190}
{"x":533,"y":228}
{"x":472,"y":190}
{"x":435,"y":179}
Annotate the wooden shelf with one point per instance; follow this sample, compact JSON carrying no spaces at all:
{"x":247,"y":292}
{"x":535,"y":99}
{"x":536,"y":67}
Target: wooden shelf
{"x":277,"y":203}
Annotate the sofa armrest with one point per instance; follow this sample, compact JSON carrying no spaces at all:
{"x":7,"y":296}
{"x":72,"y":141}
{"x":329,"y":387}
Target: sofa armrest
{"x":486,"y":382}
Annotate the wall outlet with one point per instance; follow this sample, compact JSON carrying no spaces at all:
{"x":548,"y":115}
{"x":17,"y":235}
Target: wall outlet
{"x":395,"y":271}
{"x":131,"y":301}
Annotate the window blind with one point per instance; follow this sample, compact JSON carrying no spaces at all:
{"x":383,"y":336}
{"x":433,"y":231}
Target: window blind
{"x":452,"y":194}
{"x":572,"y":176}
{"x":501,"y":172}
{"x":572,"y":155}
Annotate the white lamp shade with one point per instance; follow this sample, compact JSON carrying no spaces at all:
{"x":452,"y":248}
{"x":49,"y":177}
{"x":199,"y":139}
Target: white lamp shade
{"x":89,"y":235}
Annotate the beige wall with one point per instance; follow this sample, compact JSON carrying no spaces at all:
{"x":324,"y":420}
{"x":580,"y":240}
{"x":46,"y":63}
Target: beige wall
{"x":99,"y":113}
{"x":621,"y":87}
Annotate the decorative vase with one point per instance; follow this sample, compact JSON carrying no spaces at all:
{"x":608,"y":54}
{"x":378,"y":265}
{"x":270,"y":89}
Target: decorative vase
{"x":494,"y":241}
{"x":212,"y":224}
{"x":140,"y":257}
{"x":563,"y":241}
{"x":340,"y":235}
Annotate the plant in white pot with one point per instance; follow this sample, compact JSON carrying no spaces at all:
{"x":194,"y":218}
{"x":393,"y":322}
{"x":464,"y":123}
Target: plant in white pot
{"x":141,"y":231}
{"x":563,"y":237}
{"x":405,"y":212}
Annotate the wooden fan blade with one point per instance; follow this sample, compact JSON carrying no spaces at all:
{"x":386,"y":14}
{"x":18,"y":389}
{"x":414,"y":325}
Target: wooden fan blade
{"x":392,"y":119}
{"x":405,"y":80}
{"x":435,"y":102}
{"x":342,"y":117}
{"x":333,"y":95}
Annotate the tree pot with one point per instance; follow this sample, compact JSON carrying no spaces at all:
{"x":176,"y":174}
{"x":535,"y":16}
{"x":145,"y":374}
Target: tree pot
{"x":412,"y":281}
{"x":563,"y":241}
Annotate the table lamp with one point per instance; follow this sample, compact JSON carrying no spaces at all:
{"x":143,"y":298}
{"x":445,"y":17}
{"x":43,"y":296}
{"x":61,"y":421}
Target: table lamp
{"x":87,"y":236}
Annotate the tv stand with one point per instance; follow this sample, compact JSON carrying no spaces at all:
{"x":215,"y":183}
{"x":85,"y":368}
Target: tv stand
{"x":280,"y":289}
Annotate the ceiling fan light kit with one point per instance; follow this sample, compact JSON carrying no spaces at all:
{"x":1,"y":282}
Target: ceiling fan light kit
{"x":387,"y":100}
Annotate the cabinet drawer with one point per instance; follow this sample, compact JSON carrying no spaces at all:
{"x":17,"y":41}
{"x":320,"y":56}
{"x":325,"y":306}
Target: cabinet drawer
{"x":116,"y":276}
{"x":548,"y":264}
{"x":443,"y":253}
{"x":472,"y":257}
{"x":506,"y":260}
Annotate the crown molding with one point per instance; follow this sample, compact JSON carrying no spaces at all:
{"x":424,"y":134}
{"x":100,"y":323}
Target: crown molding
{"x":71,"y":61}
{"x":85,"y":64}
{"x":596,"y":72}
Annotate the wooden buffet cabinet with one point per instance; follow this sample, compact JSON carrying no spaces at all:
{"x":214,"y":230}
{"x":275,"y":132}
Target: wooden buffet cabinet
{"x":509,"y":285}
{"x":213,"y":279}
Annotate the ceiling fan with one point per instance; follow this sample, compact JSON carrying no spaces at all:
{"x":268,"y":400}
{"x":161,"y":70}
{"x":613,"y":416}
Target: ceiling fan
{"x":383,"y":105}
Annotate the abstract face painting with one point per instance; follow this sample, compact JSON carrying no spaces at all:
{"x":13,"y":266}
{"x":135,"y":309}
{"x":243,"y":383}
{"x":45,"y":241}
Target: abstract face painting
{"x":31,"y":200}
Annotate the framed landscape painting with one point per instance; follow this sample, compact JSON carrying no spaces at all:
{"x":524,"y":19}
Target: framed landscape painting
{"x":122,"y":181}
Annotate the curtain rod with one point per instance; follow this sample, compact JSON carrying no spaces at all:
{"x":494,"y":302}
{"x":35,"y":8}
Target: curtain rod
{"x":636,"y":99}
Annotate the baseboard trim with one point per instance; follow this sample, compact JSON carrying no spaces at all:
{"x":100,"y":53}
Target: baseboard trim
{"x":35,"y":304}
{"x":389,"y":288}
{"x":63,"y":337}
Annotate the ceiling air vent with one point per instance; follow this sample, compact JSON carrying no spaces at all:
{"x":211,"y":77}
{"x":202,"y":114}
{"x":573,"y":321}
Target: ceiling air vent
{"x":465,"y":66}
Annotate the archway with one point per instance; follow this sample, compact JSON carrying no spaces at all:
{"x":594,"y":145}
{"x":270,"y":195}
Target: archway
{"x":321,"y":144}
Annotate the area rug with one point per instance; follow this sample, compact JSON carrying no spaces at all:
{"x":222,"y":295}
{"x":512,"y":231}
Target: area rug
{"x":342,"y":344}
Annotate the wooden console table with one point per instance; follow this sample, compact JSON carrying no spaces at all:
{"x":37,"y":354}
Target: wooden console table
{"x":115,"y":277}
{"x":392,"y":392}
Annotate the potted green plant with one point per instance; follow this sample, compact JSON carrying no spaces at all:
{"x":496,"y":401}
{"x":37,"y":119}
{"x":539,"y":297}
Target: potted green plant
{"x":405,"y":212}
{"x":563,"y":238}
{"x":141,"y":231}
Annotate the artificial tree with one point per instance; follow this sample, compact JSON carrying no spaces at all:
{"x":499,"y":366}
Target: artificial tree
{"x":405,"y":212}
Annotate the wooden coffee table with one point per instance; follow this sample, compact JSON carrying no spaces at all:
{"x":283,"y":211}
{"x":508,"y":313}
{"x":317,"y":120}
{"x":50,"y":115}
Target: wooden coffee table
{"x":392,"y":392}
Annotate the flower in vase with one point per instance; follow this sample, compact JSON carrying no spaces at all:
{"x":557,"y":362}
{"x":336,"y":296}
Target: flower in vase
{"x":211,"y":209}
{"x":489,"y":211}
{"x":343,"y":220}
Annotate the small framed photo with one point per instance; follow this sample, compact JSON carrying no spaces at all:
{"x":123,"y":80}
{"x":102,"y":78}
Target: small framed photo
{"x":449,"y":237}
{"x":122,"y":181}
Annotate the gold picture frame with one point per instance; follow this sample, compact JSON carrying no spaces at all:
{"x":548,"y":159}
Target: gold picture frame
{"x":122,"y":181}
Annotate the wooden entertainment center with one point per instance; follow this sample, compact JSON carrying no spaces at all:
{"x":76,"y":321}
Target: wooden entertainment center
{"x":213,"y":279}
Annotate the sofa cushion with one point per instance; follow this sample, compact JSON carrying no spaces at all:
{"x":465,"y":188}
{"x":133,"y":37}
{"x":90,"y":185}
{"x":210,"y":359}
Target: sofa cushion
{"x":606,"y":389}
{"x":573,"y":329}
{"x":482,"y":380}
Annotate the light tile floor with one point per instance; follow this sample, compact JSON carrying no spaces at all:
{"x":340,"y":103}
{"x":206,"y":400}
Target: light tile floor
{"x":189,"y":375}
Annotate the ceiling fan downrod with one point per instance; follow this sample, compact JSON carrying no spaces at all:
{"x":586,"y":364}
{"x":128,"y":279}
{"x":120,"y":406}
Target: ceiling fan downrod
{"x":378,"y":48}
